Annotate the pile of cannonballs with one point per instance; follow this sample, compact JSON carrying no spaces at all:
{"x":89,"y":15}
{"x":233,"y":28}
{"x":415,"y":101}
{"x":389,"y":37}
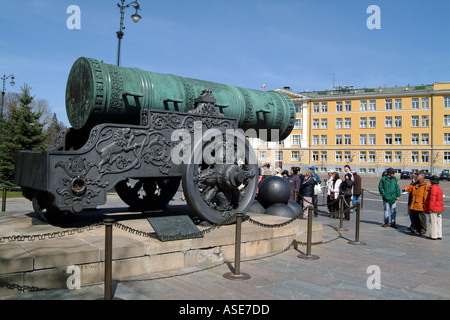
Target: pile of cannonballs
{"x":273,"y":199}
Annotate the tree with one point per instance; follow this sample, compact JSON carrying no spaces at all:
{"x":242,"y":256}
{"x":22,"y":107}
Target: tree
{"x":52,"y":131}
{"x":21,"y":131}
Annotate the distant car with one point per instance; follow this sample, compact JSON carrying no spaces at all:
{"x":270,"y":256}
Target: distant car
{"x":428,"y":175}
{"x":444,"y":175}
{"x":406,"y":175}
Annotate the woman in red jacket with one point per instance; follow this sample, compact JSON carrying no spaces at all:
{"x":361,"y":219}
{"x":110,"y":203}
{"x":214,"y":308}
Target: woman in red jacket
{"x":434,"y":205}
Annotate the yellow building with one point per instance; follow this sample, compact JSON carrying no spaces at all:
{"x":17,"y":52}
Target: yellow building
{"x":406,"y":128}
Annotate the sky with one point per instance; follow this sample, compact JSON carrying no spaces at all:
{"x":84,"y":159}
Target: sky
{"x":302,"y":44}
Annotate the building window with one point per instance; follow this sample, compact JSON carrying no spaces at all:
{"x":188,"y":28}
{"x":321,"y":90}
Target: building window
{"x":398,"y":104}
{"x":339,"y":139}
{"x":372,"y":156}
{"x":372,"y":139}
{"x":425,"y":103}
{"x":315,"y":156}
{"x":298,"y":124}
{"x":398,"y":139}
{"x":315,"y":140}
{"x":398,"y":156}
{"x":338,"y":123}
{"x":446,"y":138}
{"x":372,"y":122}
{"x":372,"y":105}
{"x":363,"y":139}
{"x":262,"y":156}
{"x":348,"y":123}
{"x":339,"y":106}
{"x":388,"y":156}
{"x":415,"y":139}
{"x":363,"y":123}
{"x":388,"y":104}
{"x":398,"y":122}
{"x":315,"y":123}
{"x":415,"y":103}
{"x":447,"y":120}
{"x":324,"y":140}
{"x":296,"y":139}
{"x":388,"y":139}
{"x":447,"y":102}
{"x":425,"y":157}
{"x":363,"y":105}
{"x":338,"y":156}
{"x":324,"y":107}
{"x":362,"y":156}
{"x":348,"y":106}
{"x":348,"y":139}
{"x":324,"y":123}
{"x":446,"y":157}
{"x":425,"y":139}
{"x":388,"y":122}
{"x":415,"y":157}
{"x":323,"y":156}
{"x":316,"y":107}
{"x":278,"y":155}
{"x":347,"y":156}
{"x":295,"y":156}
{"x":425,"y":121}
{"x":298,"y":107}
{"x":414,"y":121}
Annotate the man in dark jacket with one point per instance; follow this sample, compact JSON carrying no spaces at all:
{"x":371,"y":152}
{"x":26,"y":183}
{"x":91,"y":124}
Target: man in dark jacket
{"x":307,"y":190}
{"x":346,"y":190}
{"x":390,"y":191}
{"x":357,"y":188}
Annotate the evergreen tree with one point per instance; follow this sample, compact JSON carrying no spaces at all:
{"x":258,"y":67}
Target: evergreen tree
{"x":21,"y":131}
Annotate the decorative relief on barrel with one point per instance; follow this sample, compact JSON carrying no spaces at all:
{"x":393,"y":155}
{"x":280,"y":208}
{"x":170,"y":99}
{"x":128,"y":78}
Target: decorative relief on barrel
{"x":116,"y":87}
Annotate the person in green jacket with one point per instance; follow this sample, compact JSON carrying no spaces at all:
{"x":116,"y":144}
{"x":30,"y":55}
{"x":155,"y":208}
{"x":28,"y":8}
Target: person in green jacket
{"x":390,"y":191}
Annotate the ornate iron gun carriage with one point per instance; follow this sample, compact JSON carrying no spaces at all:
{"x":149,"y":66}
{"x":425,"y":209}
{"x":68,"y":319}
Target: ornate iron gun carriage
{"x":142,"y":133}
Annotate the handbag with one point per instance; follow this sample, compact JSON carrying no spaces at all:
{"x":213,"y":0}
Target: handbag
{"x":317,"y":189}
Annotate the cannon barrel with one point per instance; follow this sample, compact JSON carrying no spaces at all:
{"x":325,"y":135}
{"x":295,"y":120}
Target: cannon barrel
{"x":99,"y":93}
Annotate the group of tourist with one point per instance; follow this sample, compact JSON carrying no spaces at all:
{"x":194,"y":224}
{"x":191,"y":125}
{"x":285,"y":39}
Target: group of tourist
{"x":425,"y":198}
{"x":350,"y":187}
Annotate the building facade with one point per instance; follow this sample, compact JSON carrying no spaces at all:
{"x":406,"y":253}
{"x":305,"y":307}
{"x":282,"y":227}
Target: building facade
{"x":406,"y":128}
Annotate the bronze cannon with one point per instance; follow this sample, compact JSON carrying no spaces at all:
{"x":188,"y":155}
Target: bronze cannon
{"x":142,"y":133}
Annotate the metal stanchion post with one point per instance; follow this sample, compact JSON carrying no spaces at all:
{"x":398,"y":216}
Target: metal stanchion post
{"x":308,"y":255}
{"x":237,"y":275}
{"x":358,"y":218}
{"x":341,"y":214}
{"x":108,"y":258}
{"x":4,"y":200}
{"x":362,"y":199}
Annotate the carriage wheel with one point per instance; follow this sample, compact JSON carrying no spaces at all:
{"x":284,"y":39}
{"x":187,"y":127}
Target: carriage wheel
{"x":225,"y":179}
{"x":43,"y":206}
{"x":147,"y":194}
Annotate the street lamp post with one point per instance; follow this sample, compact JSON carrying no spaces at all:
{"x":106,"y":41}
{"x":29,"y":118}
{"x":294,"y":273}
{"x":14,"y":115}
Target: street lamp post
{"x":136,"y":17}
{"x":4,"y":78}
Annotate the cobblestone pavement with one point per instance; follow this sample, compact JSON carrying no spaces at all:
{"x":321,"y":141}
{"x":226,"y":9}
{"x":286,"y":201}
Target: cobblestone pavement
{"x":394,"y":264}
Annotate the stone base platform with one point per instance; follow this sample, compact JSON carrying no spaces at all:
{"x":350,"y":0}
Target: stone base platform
{"x":44,"y":263}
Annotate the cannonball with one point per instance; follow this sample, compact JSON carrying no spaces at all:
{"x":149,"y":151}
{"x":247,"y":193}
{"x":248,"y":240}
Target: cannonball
{"x":256,"y":207}
{"x":274,"y":190}
{"x":281,"y":210}
{"x":296,"y":207}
